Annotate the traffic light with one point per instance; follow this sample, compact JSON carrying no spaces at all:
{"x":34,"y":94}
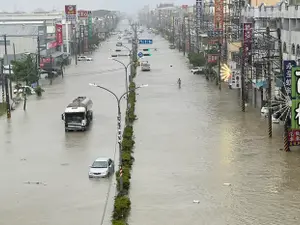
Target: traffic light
{"x":147,"y":54}
{"x":146,"y":49}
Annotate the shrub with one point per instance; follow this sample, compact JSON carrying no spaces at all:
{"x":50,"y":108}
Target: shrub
{"x":128,"y":132}
{"x":126,"y":180}
{"x":121,"y":208}
{"x":119,"y":222}
{"x":127,"y":159}
{"x":127,"y":145}
{"x":38,"y":90}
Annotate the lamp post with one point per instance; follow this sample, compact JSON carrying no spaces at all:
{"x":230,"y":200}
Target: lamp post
{"x":126,"y":74}
{"x":119,"y":124}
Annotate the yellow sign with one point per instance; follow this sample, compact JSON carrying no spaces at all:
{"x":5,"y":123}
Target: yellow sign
{"x":225,"y":72}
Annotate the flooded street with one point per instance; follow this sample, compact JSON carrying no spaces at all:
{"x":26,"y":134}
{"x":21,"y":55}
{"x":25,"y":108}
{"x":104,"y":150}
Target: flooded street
{"x":35,"y":148}
{"x":194,"y":143}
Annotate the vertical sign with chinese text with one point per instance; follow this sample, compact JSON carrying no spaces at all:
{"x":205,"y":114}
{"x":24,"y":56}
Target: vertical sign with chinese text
{"x":219,"y":15}
{"x":287,"y":75}
{"x":90,"y":26}
{"x":247,"y":39}
{"x":59,"y":34}
{"x":199,"y":12}
{"x":294,"y":137}
{"x":71,"y":13}
{"x":295,"y":98}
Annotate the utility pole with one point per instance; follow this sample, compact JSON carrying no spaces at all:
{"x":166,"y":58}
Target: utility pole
{"x":197,"y":39}
{"x":5,"y":81}
{"x":173,"y":30}
{"x":219,"y":66}
{"x":9,"y":69}
{"x":38,"y":58}
{"x":51,"y":70}
{"x":269,"y":84}
{"x":120,"y":148}
{"x":184,"y":35}
{"x":2,"y":80}
{"x":189,"y":33}
{"x":242,"y":78}
{"x":75,"y":44}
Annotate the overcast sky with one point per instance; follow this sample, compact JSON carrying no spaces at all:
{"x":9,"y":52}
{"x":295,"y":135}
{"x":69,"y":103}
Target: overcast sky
{"x":120,"y":5}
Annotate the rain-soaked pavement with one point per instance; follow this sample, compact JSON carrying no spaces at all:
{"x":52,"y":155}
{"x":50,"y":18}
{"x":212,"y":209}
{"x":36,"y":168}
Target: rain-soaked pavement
{"x":194,"y":143}
{"x":35,"y":148}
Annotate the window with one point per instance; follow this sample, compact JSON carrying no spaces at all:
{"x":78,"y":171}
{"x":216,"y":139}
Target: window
{"x":99,"y":164}
{"x":284,"y":48}
{"x":293,"y":49}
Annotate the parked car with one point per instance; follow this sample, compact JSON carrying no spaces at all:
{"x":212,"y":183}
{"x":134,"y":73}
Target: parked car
{"x":20,"y":89}
{"x":84,"y":58}
{"x":197,"y":70}
{"x":102,"y":167}
{"x":119,"y":44}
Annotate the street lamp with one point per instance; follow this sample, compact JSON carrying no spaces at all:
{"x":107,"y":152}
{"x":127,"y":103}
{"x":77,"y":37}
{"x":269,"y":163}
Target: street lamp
{"x":126,"y":73}
{"x":119,"y":123}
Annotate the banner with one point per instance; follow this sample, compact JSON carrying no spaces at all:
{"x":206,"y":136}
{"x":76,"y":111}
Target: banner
{"x":90,"y":26}
{"x":247,"y":39}
{"x":83,"y":14}
{"x":287,"y":75}
{"x":52,"y":44}
{"x":199,"y":12}
{"x":70,"y":11}
{"x":59,"y":34}
{"x":219,"y":14}
{"x":295,"y":98}
{"x":294,"y":137}
{"x":212,"y":58}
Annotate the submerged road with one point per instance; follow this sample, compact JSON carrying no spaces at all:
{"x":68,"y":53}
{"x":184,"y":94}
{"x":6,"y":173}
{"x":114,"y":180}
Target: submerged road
{"x":35,"y":148}
{"x":194,"y":143}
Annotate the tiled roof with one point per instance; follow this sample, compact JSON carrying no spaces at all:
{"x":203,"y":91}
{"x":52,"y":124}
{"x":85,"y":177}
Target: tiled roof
{"x":18,"y":30}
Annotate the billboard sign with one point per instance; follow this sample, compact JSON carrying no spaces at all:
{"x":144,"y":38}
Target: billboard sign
{"x":59,"y":34}
{"x":212,"y":58}
{"x":287,"y":75}
{"x":71,"y":13}
{"x":247,"y":39}
{"x":295,"y":98}
{"x":83,"y":14}
{"x":219,"y":14}
{"x":294,"y":137}
{"x":199,"y":12}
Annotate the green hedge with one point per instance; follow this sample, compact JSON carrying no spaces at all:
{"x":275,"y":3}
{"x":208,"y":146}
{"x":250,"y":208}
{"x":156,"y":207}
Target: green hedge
{"x":122,"y":204}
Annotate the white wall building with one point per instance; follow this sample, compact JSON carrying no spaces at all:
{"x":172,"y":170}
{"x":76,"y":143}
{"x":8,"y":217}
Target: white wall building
{"x":284,"y":16}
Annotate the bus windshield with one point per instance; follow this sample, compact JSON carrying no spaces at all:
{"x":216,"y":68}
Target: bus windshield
{"x":74,"y":117}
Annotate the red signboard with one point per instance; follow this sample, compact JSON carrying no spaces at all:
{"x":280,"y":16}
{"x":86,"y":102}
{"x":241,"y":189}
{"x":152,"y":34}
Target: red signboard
{"x":83,"y":14}
{"x":212,"y":58}
{"x":184,"y":6}
{"x":247,"y":38}
{"x":294,"y":137}
{"x":59,"y":35}
{"x":52,"y":44}
{"x":70,"y":9}
{"x":219,"y":14}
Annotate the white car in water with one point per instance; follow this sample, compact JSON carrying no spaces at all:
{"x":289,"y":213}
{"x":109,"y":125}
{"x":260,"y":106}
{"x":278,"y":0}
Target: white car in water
{"x":197,"y":70}
{"x":102,"y":167}
{"x":84,"y":58}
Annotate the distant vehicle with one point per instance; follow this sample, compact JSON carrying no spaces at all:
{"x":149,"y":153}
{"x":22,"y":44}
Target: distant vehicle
{"x":78,"y":115}
{"x":197,"y":70}
{"x":102,"y":167}
{"x":84,"y":58}
{"x":21,"y":89}
{"x":119,"y":44}
{"x":145,"y":66}
{"x":172,"y":46}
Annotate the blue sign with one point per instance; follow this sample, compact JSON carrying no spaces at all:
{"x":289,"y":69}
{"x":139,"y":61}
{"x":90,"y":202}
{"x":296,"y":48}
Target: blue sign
{"x":287,"y":75}
{"x":145,"y":41}
{"x":140,"y":54}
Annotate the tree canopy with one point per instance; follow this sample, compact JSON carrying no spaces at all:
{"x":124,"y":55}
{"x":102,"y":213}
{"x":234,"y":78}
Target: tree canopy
{"x":25,"y":70}
{"x":197,"y":59}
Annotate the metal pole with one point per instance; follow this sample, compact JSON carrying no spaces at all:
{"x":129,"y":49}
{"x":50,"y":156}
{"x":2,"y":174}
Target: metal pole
{"x":120,"y":146}
{"x":269,"y":85}
{"x":38,"y":58}
{"x":51,"y":68}
{"x":173,"y":30}
{"x":184,"y":35}
{"x":75,"y":45}
{"x":9,"y":69}
{"x":189,"y":33}
{"x":243,"y":81}
{"x":219,"y":69}
{"x":2,"y":80}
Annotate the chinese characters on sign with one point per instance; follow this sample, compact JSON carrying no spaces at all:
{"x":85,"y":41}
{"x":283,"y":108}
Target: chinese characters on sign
{"x":287,"y":75}
{"x":295,"y":96}
{"x":219,"y":14}
{"x":247,"y":39}
{"x":83,"y":14}
{"x":199,"y":4}
{"x":70,"y":11}
{"x":294,"y":137}
{"x":212,"y":58}
{"x":59,"y":34}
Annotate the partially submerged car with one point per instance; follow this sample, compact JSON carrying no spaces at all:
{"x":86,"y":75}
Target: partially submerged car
{"x":102,"y":167}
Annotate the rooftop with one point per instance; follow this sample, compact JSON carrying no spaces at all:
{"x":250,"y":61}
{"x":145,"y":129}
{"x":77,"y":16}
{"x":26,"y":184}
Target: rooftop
{"x":18,"y":29}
